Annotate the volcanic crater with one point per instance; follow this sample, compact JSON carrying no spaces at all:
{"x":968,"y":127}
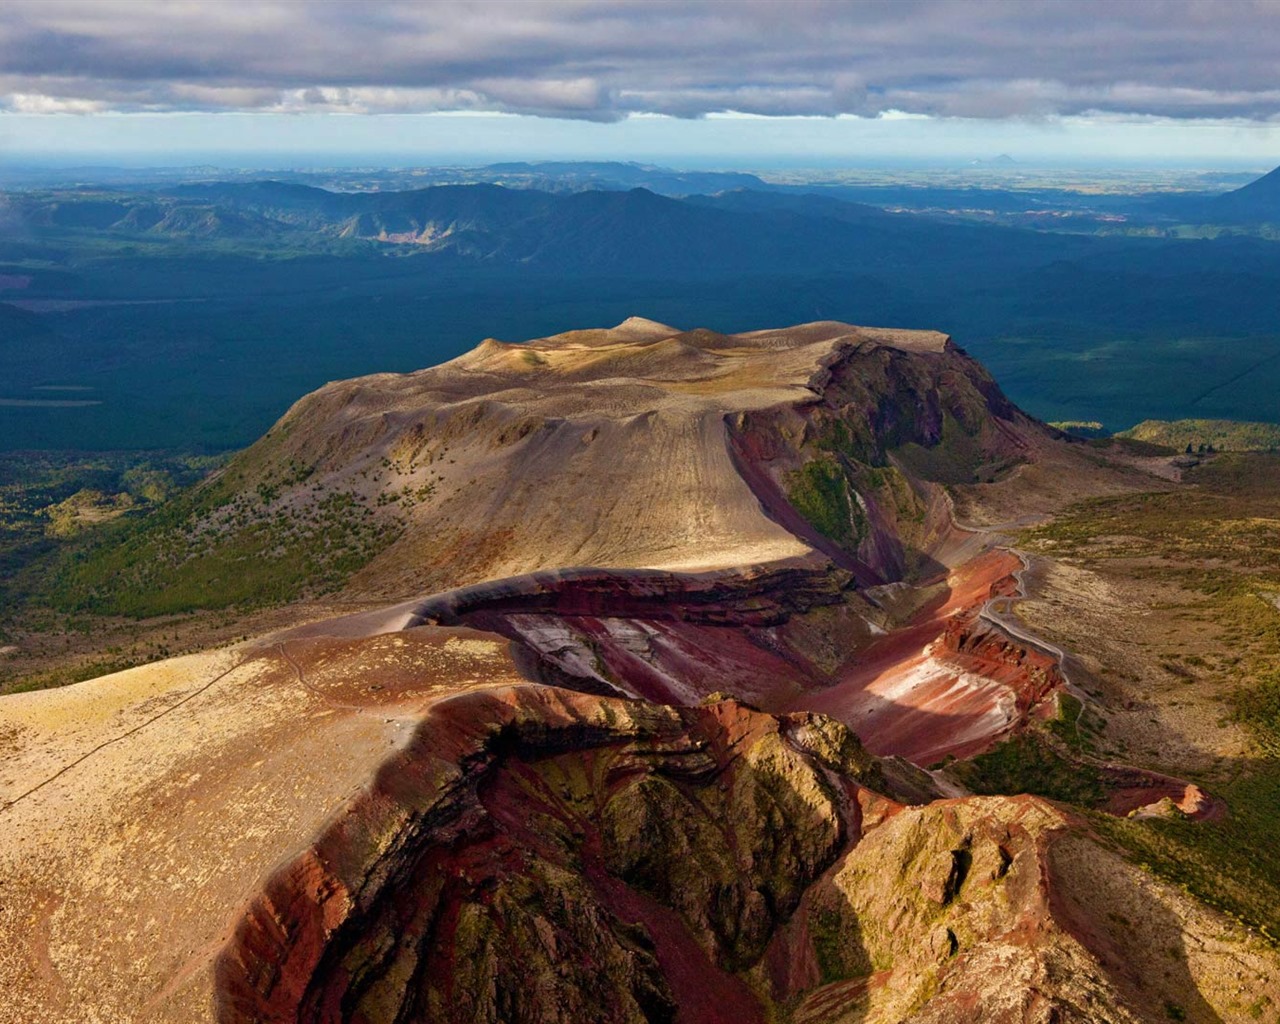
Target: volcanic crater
{"x":674,"y":642}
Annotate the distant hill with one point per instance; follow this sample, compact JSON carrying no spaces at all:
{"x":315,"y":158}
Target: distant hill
{"x":1003,"y":160}
{"x":805,"y":204}
{"x":1257,"y":201}
{"x":1224,"y":435}
{"x":578,"y":176}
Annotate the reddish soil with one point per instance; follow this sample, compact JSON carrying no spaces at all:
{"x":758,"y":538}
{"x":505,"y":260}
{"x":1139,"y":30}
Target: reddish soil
{"x":947,"y":683}
{"x":1140,"y":791}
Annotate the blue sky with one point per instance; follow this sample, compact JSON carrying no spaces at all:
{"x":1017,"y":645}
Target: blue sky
{"x":804,"y":83}
{"x":242,"y":139}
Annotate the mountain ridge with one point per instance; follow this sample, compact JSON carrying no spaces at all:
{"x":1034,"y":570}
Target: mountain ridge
{"x":675,"y":653}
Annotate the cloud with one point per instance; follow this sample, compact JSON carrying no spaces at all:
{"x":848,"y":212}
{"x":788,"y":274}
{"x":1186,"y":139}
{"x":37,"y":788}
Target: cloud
{"x":608,"y":59}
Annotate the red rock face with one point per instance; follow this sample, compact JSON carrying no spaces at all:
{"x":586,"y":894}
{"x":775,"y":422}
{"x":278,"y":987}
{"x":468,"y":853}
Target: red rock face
{"x":1142,"y":793}
{"x":542,"y":855}
{"x":619,"y":841}
{"x":946,"y":683}
{"x":670,"y":847}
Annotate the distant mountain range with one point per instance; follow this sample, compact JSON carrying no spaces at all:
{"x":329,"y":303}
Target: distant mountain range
{"x":545,"y":176}
{"x":552,"y":214}
{"x":298,"y":285}
{"x":636,"y":232}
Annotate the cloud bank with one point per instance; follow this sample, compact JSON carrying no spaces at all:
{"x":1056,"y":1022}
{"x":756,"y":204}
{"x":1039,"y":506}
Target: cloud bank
{"x":605,"y":60}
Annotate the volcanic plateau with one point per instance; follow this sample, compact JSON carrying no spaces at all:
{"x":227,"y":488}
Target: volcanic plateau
{"x":647,"y":710}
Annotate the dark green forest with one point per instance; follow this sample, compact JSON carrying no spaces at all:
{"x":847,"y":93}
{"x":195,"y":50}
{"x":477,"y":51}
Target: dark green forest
{"x":192,"y":318}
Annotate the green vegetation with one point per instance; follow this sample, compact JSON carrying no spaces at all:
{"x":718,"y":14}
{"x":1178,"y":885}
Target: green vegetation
{"x":1229,"y":518}
{"x":1077,"y":425}
{"x":1223,"y":435}
{"x":212,"y":549}
{"x":821,"y":493}
{"x":1028,"y":763}
{"x":1072,"y":725}
{"x":957,"y":458}
{"x":46,"y":498}
{"x":1221,"y":543}
{"x":1234,"y":864}
{"x":1081,"y":428}
{"x":87,"y":539}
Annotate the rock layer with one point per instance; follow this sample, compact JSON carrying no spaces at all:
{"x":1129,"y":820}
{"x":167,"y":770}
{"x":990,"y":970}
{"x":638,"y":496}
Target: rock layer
{"x":622,"y":762}
{"x":536,"y":855}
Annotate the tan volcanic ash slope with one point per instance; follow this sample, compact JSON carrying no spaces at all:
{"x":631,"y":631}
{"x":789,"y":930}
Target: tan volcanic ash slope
{"x":812,"y":455}
{"x":381,"y":819}
{"x":602,"y":448}
{"x":636,"y":446}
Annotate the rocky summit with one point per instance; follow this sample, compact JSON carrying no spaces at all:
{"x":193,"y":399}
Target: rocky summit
{"x":665,"y":662}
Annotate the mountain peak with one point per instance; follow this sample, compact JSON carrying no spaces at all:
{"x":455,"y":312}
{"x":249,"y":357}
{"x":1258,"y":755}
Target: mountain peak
{"x":641,"y":327}
{"x":1259,"y":200}
{"x":1268,"y":183}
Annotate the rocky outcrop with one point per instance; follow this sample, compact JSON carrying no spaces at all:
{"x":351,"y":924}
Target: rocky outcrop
{"x":860,"y":464}
{"x":951,"y":909}
{"x":981,"y":647}
{"x":538,"y":855}
{"x":764,"y":596}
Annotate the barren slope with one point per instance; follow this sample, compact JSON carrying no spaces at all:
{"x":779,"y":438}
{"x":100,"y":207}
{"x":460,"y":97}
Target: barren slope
{"x":580,"y":765}
{"x":617,"y":448}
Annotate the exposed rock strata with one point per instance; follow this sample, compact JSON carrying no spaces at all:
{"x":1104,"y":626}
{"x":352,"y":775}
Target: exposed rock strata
{"x":539,"y":855}
{"x":634,"y":522}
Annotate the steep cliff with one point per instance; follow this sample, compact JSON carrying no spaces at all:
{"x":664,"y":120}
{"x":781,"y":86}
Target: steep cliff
{"x":659,"y":638}
{"x":535,"y":855}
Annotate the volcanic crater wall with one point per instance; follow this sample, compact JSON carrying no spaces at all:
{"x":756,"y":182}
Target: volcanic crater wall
{"x":539,"y":855}
{"x":543,"y":854}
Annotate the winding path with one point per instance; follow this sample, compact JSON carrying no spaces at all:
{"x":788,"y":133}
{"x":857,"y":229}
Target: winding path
{"x":997,"y":610}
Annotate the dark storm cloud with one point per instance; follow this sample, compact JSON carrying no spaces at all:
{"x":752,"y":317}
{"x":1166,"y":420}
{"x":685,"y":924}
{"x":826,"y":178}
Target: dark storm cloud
{"x":607,"y":60}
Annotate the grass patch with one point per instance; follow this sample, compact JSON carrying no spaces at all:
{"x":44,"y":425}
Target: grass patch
{"x":820,"y":492}
{"x":1232,"y":865}
{"x":957,"y":458}
{"x":1070,"y":725}
{"x":1028,"y":764}
{"x":213,"y":550}
{"x":1224,"y":435}
{"x":50,"y":500}
{"x":1081,"y":428}
{"x":1220,"y":543}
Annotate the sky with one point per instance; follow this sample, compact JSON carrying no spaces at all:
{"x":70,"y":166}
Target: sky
{"x":799,"y":83}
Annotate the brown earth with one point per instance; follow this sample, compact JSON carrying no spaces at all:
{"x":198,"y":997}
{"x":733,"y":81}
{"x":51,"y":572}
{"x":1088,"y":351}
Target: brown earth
{"x":684,"y":592}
